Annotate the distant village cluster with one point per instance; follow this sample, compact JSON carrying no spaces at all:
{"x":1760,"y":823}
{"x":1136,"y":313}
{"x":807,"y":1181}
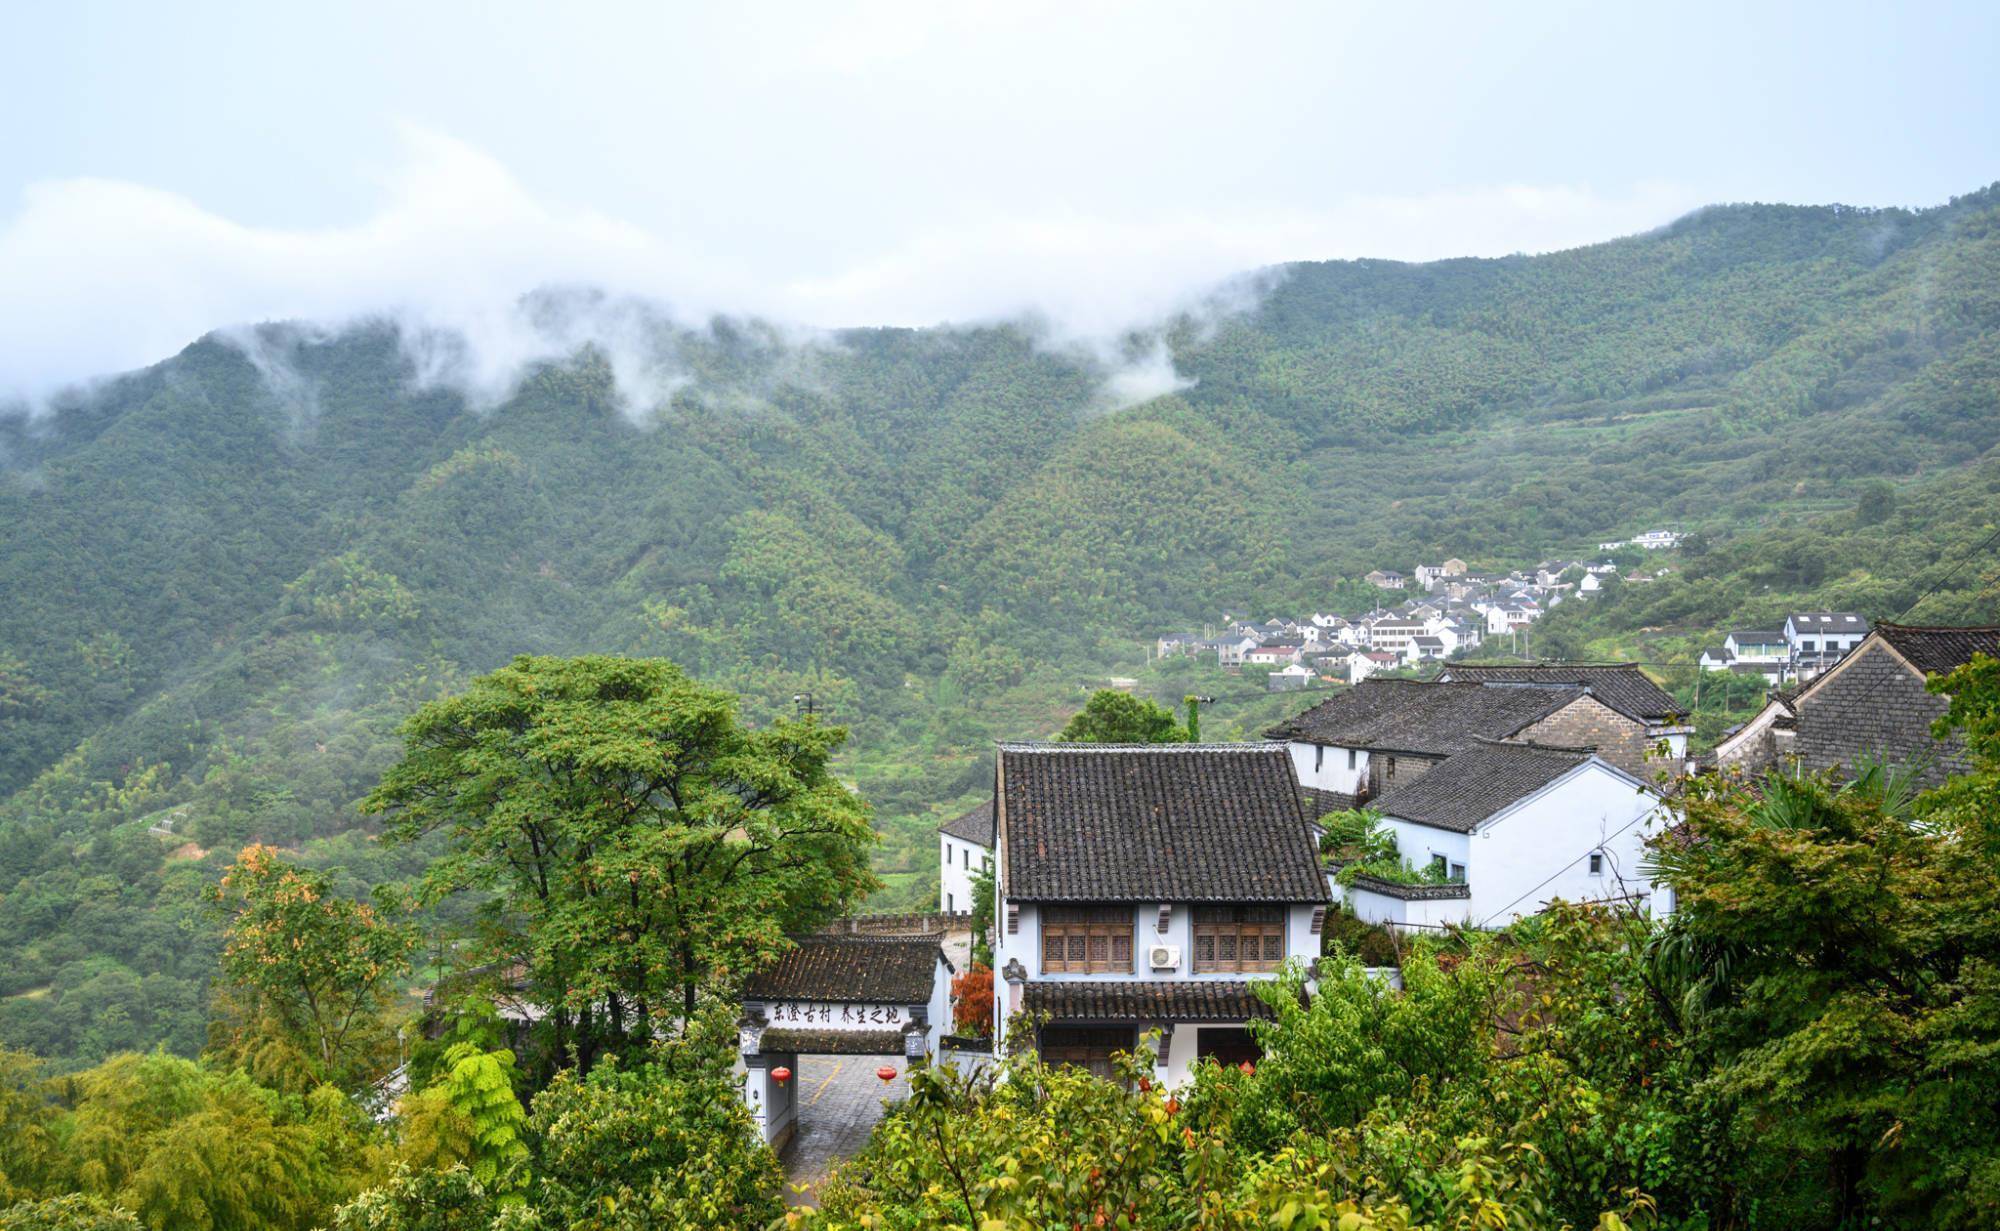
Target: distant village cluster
{"x":1446,"y":610}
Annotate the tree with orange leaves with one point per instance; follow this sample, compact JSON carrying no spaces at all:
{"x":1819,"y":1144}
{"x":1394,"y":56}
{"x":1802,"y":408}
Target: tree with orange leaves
{"x":311,"y":971}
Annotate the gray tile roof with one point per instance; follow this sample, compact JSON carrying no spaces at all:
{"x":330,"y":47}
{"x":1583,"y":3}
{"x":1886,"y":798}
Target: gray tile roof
{"x":975,"y":826}
{"x":1177,"y":1000}
{"x":1155,"y":823}
{"x":833,"y":1042}
{"x":1622,"y":686}
{"x":1464,"y":790}
{"x":1931,"y":650}
{"x":851,"y":970}
{"x":1413,"y":893}
{"x":1420,"y":717}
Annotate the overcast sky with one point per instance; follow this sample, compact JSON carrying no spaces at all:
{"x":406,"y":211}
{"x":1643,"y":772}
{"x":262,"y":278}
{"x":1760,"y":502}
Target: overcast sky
{"x":169,"y":168}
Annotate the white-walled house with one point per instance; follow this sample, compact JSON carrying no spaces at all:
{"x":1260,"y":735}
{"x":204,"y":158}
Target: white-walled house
{"x":1144,"y":888}
{"x":1513,"y":826}
{"x":1379,"y":736}
{"x":965,"y":849}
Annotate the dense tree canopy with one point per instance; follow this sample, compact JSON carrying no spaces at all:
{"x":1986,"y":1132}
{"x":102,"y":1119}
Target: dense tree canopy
{"x":643,"y":845}
{"x":1114,"y":717}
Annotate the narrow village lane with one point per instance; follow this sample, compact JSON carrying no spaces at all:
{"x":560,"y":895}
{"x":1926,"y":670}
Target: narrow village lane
{"x":840,"y":1102}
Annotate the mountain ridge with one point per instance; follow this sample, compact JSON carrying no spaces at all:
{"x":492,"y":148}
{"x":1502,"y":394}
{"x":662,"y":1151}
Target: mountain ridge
{"x":223,"y":596}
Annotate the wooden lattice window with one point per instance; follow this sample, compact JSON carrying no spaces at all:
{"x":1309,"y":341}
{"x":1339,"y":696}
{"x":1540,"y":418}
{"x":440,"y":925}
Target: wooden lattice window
{"x":1087,"y":939}
{"x":1239,"y":938}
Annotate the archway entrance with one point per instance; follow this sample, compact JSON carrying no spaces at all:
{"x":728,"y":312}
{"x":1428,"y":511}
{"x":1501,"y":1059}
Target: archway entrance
{"x":832,"y":1011}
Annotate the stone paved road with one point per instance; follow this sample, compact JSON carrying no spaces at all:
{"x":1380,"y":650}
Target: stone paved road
{"x":840,"y":1100}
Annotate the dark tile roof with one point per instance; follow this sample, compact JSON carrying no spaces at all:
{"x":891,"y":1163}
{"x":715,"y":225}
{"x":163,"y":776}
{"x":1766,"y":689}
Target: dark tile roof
{"x":1462,"y":791}
{"x":833,"y":1042}
{"x":1318,"y":802}
{"x":1155,"y":823}
{"x":1413,"y":893}
{"x":1829,"y":621}
{"x":1421,"y":717}
{"x":975,"y":826}
{"x":1622,"y":686}
{"x":851,"y":969}
{"x":1932,"y":650}
{"x":1177,"y":1000}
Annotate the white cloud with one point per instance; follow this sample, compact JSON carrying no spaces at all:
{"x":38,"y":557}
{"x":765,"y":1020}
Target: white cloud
{"x":103,"y":275}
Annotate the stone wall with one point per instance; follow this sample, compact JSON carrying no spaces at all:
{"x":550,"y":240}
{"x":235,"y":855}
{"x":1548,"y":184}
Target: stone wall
{"x":1589,"y":723}
{"x":1389,"y":770}
{"x":1874,"y":705}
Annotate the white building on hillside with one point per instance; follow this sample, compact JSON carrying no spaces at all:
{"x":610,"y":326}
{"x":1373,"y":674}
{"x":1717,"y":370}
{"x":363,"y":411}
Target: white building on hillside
{"x":965,"y":849}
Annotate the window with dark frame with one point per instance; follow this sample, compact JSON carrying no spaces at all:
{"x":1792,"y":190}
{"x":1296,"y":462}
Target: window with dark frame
{"x":1238,"y":938}
{"x":1596,"y":863}
{"x":1087,"y":939}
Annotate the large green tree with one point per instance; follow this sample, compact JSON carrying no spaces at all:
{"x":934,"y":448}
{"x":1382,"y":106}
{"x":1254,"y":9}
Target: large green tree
{"x":1836,"y":951}
{"x":642,"y":844}
{"x":1114,"y":717}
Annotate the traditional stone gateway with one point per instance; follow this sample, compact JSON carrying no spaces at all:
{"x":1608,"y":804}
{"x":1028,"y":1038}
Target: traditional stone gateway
{"x":845,"y":995}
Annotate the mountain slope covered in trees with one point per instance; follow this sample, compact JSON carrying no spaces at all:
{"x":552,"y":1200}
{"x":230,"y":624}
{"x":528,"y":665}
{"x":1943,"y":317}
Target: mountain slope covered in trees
{"x":229,"y":577}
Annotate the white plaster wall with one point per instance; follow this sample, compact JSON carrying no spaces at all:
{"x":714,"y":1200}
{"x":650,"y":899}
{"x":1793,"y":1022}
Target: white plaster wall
{"x":954,"y":876}
{"x":940,"y":1009}
{"x":1419,"y":843}
{"x":1326,"y":768}
{"x":1548,"y":836}
{"x":1420,"y":915}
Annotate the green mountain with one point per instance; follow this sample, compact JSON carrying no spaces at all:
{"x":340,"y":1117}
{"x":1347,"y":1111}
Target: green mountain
{"x":227,"y":577}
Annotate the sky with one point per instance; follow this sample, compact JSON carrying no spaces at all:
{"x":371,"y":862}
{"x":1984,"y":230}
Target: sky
{"x":166,"y":170}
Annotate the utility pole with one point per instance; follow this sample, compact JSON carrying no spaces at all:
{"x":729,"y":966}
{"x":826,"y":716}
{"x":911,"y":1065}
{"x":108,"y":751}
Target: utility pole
{"x":803,"y":704}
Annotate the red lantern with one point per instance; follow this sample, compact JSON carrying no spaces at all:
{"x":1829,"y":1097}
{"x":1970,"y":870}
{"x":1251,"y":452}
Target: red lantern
{"x":886,"y":1073}
{"x":1247,"y":1067}
{"x":781,"y":1074}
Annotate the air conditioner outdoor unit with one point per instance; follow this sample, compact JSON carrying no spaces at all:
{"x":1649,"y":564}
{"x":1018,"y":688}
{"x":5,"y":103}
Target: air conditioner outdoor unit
{"x":1165,"y":957}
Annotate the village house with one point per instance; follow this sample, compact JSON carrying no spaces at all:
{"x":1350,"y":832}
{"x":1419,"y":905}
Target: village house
{"x":1230,"y":650}
{"x":1509,"y":827}
{"x":965,"y":849}
{"x":1385,"y":579}
{"x":1144,"y":888}
{"x":1290,"y":678}
{"x":1395,"y":635}
{"x":1364,"y":663}
{"x":1275,"y":655}
{"x":1623,"y":687}
{"x":1361,"y":744}
{"x":1819,"y":639}
{"x":1871,"y":705}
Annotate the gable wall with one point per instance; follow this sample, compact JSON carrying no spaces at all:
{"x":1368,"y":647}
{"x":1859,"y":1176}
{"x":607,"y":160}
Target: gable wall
{"x":1875,"y":705}
{"x":1387,"y":771}
{"x":1588,"y":722}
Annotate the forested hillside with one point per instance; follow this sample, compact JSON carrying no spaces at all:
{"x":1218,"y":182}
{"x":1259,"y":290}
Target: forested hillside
{"x":229,"y":577}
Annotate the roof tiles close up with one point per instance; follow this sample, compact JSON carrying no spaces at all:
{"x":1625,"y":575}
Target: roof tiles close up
{"x":1622,"y":686}
{"x":851,"y":970}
